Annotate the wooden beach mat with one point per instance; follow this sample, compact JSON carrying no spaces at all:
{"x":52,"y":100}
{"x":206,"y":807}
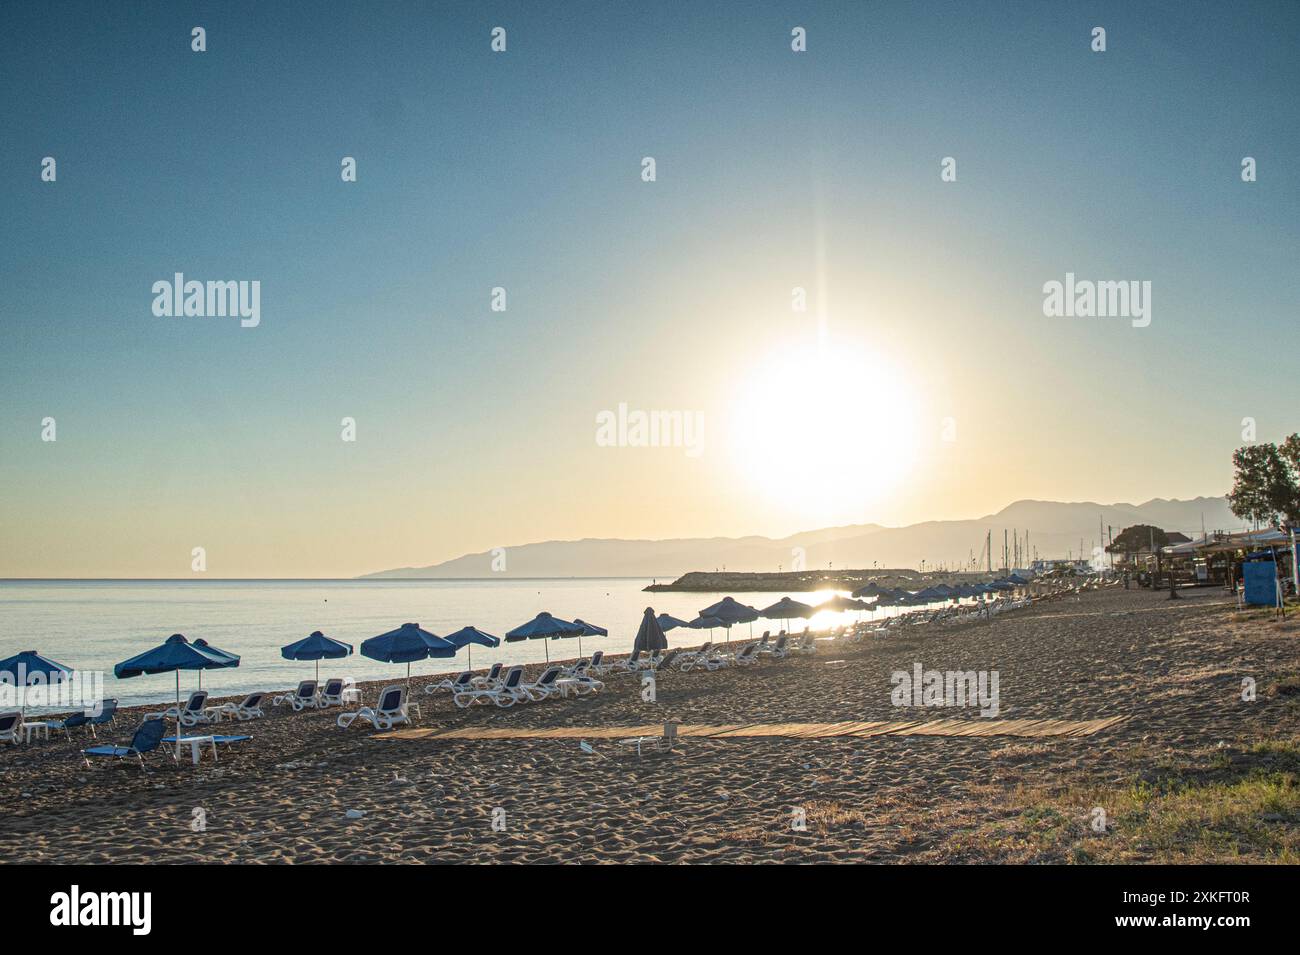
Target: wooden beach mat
{"x":854,"y":728}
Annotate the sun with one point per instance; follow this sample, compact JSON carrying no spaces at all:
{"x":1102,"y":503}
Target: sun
{"x":823,"y":431}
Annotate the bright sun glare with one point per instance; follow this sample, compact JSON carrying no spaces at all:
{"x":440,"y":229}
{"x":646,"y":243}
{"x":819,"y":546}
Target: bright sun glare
{"x":824,"y":431}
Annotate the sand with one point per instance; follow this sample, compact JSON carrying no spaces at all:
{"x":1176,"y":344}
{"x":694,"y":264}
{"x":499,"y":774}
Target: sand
{"x":1174,"y":669}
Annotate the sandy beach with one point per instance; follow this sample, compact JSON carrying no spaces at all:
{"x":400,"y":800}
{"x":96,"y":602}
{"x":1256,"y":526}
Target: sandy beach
{"x":1193,"y":774}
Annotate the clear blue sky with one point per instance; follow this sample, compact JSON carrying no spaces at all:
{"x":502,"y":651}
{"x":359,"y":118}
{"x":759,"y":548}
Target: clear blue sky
{"x":521,"y":170}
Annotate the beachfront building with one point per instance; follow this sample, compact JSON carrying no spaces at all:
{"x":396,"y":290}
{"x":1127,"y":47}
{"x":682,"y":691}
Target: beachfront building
{"x":1217,"y":558}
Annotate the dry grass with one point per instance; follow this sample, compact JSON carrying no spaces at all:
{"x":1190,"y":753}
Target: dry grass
{"x":1230,"y":806}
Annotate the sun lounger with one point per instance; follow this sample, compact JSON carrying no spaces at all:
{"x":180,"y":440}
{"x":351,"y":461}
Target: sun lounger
{"x":146,"y":740}
{"x":779,"y":650}
{"x":544,"y":686}
{"x":586,"y":683}
{"x":331,"y":693}
{"x":688,"y":660}
{"x":747,"y":655}
{"x":249,"y":708}
{"x":387,"y":713}
{"x":462,"y":681}
{"x":192,"y":712}
{"x":303,"y":698}
{"x":107,"y":711}
{"x":626,"y":665}
{"x":490,"y":679}
{"x":11,"y":724}
{"x":667,"y":660}
{"x":507,"y":694}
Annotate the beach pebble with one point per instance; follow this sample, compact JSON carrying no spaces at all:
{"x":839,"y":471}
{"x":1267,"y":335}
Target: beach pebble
{"x":355,"y":813}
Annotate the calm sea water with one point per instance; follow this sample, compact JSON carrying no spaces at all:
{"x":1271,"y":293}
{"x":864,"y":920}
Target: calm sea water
{"x":91,"y":625}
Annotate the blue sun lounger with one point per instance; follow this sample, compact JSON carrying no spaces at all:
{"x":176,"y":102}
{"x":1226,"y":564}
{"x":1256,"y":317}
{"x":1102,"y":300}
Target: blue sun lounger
{"x":146,"y":740}
{"x":107,"y":711}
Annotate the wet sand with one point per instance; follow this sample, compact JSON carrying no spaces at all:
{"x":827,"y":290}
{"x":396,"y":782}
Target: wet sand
{"x":1174,"y":668}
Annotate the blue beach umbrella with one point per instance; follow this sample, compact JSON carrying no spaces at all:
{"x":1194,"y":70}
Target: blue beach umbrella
{"x":406,"y":644}
{"x":587,"y":630}
{"x":543,"y":627}
{"x":29,"y":668}
{"x":316,"y":647}
{"x":203,"y":644}
{"x":668,"y":622}
{"x":468,"y":636}
{"x":786,"y":610}
{"x":176,"y":654}
{"x":731,"y":611}
{"x":710,"y":623}
{"x":707,"y":623}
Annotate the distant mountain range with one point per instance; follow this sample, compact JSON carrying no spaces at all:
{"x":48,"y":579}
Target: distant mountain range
{"x":1055,"y":528}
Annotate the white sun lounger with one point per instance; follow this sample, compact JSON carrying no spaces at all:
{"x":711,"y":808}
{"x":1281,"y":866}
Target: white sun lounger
{"x":10,"y":726}
{"x":506,"y":695}
{"x":387,"y":713}
{"x":249,"y":708}
{"x":462,"y":681}
{"x":544,"y":686}
{"x":192,"y":712}
{"x":303,"y":698}
{"x":331,"y":694}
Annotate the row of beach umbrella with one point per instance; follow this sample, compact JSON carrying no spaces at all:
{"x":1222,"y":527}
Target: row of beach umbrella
{"x":410,"y":642}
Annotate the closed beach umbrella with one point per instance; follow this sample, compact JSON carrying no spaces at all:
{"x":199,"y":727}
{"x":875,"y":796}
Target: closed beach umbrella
{"x":406,"y":644}
{"x":176,"y":654}
{"x":543,"y":627}
{"x":468,"y":636}
{"x":786,"y":610}
{"x":29,"y":668}
{"x":650,"y":637}
{"x":316,"y":647}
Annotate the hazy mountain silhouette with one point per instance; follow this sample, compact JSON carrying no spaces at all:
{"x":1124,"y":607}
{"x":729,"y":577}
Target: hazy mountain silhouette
{"x":1055,"y":528}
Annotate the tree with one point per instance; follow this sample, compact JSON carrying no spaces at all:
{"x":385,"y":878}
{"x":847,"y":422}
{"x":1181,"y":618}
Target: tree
{"x":1266,"y":482}
{"x":1133,"y":539}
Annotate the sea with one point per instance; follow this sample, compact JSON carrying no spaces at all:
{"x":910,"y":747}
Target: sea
{"x":89,"y":625}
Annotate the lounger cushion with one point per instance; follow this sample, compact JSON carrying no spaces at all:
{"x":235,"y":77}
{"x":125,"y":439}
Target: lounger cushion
{"x":108,"y":751}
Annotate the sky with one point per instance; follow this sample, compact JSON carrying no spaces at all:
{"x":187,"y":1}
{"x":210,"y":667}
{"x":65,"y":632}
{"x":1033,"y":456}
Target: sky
{"x":922,"y":381}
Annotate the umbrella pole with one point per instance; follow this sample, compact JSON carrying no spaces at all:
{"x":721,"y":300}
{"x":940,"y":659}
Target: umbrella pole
{"x":318,"y":670}
{"x":178,"y":713}
{"x":470,"y":648}
{"x":579,"y":645}
{"x":546,"y":645}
